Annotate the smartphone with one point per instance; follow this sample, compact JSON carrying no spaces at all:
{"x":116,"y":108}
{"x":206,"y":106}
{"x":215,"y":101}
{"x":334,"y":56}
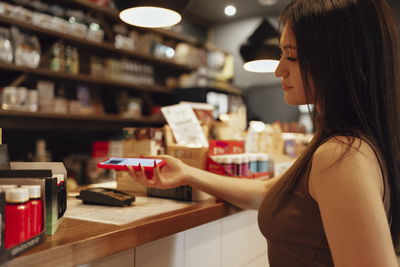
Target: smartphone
{"x":121,"y":163}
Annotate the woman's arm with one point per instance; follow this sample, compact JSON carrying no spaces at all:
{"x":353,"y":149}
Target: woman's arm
{"x":349,"y":189}
{"x":243,"y":193}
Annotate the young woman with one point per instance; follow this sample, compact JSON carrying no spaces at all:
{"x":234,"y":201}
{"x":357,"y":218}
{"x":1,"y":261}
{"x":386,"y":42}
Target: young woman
{"x":339,"y":202}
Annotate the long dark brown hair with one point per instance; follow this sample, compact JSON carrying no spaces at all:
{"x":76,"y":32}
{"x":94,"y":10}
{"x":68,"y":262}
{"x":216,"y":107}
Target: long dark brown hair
{"x":348,"y":50}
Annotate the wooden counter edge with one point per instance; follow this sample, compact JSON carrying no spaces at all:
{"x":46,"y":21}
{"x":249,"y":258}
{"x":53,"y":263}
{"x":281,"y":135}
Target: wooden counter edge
{"x":132,"y":235}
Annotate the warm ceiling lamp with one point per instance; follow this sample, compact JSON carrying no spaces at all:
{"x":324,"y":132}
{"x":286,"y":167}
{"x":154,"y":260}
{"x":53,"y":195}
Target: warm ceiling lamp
{"x":152,"y":13}
{"x":261,"y":52}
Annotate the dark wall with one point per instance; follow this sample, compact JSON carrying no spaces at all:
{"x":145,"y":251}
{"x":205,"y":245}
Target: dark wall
{"x":267,"y":104}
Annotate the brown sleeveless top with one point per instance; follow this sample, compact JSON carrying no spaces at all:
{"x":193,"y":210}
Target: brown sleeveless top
{"x":295,"y":233}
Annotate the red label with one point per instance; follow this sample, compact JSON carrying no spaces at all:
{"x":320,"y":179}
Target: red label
{"x":218,"y":147}
{"x":16,"y":224}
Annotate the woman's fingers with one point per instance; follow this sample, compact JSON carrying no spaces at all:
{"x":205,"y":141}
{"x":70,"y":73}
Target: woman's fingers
{"x":156,"y":172}
{"x":132,"y":173}
{"x":140,"y":175}
{"x":143,"y":177}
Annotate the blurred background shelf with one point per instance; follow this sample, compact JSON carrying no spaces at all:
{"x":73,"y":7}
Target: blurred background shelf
{"x":82,"y":78}
{"x":107,"y":46}
{"x":12,"y":119}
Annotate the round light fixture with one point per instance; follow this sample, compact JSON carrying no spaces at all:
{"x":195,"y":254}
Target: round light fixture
{"x":150,"y":17}
{"x":261,"y":52}
{"x":261,"y":65}
{"x":230,"y":10}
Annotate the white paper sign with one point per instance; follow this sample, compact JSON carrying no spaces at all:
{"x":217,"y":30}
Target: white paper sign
{"x":142,"y":207}
{"x":185,"y":125}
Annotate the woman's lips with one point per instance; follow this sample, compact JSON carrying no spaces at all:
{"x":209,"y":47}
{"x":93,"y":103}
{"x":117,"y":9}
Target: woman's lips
{"x":286,"y":87}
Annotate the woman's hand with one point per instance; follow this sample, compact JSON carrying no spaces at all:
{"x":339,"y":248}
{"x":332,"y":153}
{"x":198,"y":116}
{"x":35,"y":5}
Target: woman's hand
{"x":174,"y":173}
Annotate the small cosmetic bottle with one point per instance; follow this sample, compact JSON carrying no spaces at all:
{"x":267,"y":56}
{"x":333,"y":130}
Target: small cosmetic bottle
{"x":227,"y":163}
{"x":17,"y":221}
{"x":262,"y":162}
{"x":36,"y":209}
{"x":253,"y":163}
{"x":245,"y":165}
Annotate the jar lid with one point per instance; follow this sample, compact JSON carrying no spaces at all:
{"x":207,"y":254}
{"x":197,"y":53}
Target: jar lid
{"x":227,"y":160}
{"x":17,"y":195}
{"x":34,"y":190}
{"x":252,"y":157}
{"x":237,"y":159}
{"x":4,"y":187}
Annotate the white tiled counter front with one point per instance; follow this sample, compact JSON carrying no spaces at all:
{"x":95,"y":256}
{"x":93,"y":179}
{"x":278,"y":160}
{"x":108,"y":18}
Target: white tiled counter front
{"x":233,"y":241}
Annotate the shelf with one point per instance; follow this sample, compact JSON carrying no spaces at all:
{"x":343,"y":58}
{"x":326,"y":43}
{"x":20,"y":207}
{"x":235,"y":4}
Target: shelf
{"x":104,"y":45}
{"x":104,"y":118}
{"x":84,"y":78}
{"x":13,"y":119}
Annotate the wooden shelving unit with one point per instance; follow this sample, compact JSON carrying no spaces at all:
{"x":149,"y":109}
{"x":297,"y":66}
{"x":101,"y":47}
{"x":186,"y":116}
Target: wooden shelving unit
{"x":39,"y":120}
{"x":56,"y":121}
{"x":104,"y":45}
{"x":103,"y":118}
{"x":83,"y":78}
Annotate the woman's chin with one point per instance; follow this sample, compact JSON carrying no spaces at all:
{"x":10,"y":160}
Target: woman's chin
{"x":294,"y":102}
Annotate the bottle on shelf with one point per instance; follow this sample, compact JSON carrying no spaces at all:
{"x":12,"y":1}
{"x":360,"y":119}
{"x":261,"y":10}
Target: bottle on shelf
{"x":57,"y":57}
{"x":68,"y":59}
{"x":75,"y":61}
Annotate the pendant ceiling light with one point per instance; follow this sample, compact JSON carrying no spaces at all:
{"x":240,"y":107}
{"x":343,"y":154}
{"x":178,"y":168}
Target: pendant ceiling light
{"x":261,"y":52}
{"x":152,"y":13}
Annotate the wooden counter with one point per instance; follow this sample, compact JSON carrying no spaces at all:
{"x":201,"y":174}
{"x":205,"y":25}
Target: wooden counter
{"x":77,"y":242}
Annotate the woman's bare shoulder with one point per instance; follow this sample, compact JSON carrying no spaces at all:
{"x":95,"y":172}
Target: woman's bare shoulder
{"x":344,"y":147}
{"x":344,"y":159}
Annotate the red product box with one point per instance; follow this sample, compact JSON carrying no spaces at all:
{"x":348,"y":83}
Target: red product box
{"x":100,"y":149}
{"x":217,"y":147}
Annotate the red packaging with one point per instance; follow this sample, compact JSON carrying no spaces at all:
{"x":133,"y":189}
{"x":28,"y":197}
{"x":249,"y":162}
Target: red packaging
{"x":36,"y":209}
{"x":100,"y":149}
{"x":17,"y":213}
{"x":217,"y":147}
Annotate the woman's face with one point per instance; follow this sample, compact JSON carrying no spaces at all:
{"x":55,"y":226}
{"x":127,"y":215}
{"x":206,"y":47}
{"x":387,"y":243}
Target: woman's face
{"x":289,"y":69}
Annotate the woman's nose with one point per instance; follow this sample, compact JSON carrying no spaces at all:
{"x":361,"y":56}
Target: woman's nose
{"x":281,"y":71}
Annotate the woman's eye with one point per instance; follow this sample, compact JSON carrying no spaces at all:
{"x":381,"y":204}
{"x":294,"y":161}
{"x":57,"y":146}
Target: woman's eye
{"x":291,"y":58}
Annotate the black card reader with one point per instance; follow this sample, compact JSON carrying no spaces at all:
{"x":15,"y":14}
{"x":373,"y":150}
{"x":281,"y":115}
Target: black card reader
{"x":105,"y":196}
